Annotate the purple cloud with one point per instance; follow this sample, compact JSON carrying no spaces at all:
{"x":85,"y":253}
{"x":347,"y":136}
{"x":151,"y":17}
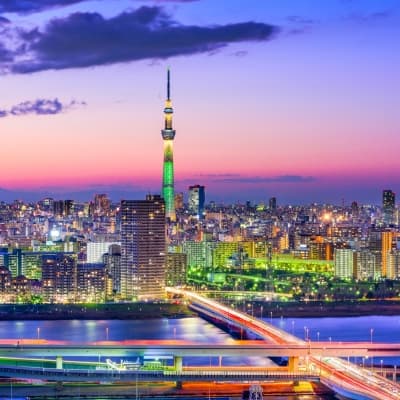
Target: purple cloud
{"x":40,"y":107}
{"x":267,"y":179}
{"x":32,"y":6}
{"x":89,"y":39}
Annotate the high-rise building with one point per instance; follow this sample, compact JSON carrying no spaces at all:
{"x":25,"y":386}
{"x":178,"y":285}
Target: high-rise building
{"x":196,"y":200}
{"x":272,"y":203}
{"x":179,"y":201}
{"x":175,"y":269}
{"x":388,"y":206}
{"x":96,"y":250}
{"x":380,"y":243}
{"x":46,"y":204}
{"x":387,"y":246}
{"x":168,"y":135}
{"x":366,"y":265}
{"x":102,"y":204}
{"x":5,"y":279}
{"x":63,"y":208}
{"x":143,"y":247}
{"x":59,"y":277}
{"x":344,"y":263}
{"x":112,"y":260}
{"x":199,"y":254}
{"x":393,"y":265}
{"x":92,"y":282}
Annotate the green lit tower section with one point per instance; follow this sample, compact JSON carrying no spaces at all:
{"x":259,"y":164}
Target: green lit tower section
{"x":168,"y":135}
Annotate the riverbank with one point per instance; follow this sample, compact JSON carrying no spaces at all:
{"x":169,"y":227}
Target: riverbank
{"x":320,"y":309}
{"x":123,"y":311}
{"x":139,"y":311}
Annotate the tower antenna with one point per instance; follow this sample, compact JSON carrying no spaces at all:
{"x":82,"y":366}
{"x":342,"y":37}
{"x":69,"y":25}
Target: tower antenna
{"x":168,"y":84}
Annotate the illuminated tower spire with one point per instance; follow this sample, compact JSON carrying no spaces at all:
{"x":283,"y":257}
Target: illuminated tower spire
{"x":168,"y":135}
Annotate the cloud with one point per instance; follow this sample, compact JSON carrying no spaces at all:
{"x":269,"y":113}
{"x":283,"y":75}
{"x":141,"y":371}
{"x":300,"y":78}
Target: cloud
{"x":40,"y":107}
{"x":88,"y":39}
{"x":375,"y":16}
{"x":32,"y":6}
{"x":196,"y":178}
{"x":6,"y":55}
{"x":240,"y":53}
{"x":296,"y":19}
{"x":266,"y":179}
{"x":171,"y":1}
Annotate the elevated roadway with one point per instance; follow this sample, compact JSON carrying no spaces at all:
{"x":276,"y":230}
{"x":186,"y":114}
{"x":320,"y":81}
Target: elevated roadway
{"x":348,"y":380}
{"x":192,"y":375}
{"x":155,"y":348}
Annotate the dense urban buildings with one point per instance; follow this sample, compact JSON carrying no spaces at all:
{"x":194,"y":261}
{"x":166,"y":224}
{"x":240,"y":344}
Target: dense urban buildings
{"x":130,"y":251}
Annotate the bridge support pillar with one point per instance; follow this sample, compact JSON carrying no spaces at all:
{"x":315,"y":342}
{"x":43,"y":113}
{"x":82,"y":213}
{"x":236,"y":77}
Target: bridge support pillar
{"x":178,"y":363}
{"x":59,"y":362}
{"x":293,"y":364}
{"x":178,"y":384}
{"x":178,"y":368}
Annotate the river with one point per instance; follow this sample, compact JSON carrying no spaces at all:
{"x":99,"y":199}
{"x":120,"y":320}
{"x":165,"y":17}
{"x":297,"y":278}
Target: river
{"x":377,"y":328}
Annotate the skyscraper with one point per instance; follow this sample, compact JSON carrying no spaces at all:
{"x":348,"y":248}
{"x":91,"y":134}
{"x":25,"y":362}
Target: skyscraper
{"x":196,"y":200}
{"x":59,"y":277}
{"x":344,"y":263}
{"x":168,"y":135}
{"x":388,"y":205}
{"x":272,"y":203}
{"x":112,"y":260}
{"x":143,"y":247}
{"x":387,"y":246}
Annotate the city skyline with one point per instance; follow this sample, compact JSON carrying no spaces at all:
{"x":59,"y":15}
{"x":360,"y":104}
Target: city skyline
{"x":289,"y":101}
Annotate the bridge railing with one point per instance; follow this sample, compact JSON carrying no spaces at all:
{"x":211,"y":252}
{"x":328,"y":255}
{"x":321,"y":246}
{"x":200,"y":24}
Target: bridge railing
{"x":105,"y":375}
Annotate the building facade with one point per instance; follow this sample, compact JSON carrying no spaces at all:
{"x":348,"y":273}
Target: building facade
{"x":59,"y":277}
{"x":388,"y":206}
{"x":143,"y":248}
{"x":197,"y":200}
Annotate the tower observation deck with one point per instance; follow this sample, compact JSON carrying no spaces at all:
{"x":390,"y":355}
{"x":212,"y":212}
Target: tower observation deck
{"x":168,"y":135}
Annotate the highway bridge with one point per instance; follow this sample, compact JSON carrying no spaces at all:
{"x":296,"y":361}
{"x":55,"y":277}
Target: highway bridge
{"x":344,"y":378}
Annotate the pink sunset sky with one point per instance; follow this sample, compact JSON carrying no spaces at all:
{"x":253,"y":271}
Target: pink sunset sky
{"x":299,"y":102}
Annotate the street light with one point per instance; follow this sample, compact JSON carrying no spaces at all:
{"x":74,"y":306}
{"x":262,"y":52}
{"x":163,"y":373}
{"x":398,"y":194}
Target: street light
{"x":262,"y":308}
{"x":271,"y":316}
{"x":382,"y":367}
{"x":371,"y":332}
{"x":38,"y":332}
{"x":292,"y":327}
{"x":107,"y":333}
{"x":318,"y":336}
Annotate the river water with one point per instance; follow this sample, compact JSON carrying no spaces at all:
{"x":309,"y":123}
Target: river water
{"x":375,"y":328}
